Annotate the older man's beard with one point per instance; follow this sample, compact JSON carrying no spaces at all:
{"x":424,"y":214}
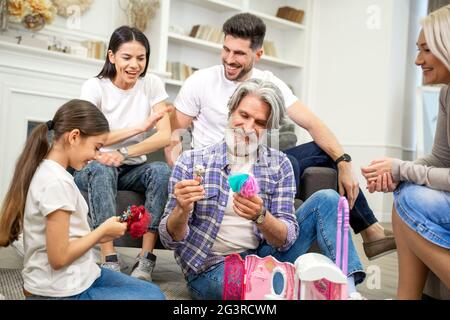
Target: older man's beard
{"x":241,"y":144}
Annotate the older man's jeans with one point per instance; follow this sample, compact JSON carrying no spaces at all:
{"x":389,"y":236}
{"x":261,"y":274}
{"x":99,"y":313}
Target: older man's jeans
{"x":317,"y":219}
{"x":102,"y":183}
{"x":311,"y":155}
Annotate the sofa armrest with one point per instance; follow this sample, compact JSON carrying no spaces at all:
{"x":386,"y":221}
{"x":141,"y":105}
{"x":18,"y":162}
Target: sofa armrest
{"x":317,"y":178}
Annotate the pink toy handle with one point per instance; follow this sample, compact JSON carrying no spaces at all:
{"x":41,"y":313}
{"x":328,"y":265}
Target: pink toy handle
{"x":342,"y":206}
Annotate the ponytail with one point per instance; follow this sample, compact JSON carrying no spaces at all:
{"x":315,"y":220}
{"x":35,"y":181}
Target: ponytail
{"x":75,"y":114}
{"x":11,"y":220}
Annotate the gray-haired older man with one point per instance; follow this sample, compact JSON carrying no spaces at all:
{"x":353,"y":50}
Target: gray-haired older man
{"x":204,"y":222}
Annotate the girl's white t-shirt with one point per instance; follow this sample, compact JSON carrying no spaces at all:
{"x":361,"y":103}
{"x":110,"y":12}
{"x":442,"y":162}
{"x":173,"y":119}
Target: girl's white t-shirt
{"x":125,"y":108}
{"x":53,"y":188}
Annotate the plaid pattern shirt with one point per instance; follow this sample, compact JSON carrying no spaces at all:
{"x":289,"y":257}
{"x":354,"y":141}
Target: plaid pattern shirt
{"x":275,"y":177}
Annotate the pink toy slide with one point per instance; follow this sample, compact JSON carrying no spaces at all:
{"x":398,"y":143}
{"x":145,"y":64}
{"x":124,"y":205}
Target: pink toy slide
{"x":312,"y":277}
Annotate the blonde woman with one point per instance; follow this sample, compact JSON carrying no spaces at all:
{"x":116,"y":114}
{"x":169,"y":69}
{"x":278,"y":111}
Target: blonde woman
{"x":421,"y":213}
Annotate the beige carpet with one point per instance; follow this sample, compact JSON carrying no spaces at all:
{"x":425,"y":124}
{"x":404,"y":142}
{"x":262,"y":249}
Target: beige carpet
{"x":11,"y":284}
{"x":167,"y":275}
{"x":381,"y":282}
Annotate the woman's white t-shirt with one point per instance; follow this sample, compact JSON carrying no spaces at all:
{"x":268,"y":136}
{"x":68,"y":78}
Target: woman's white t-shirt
{"x":125,"y":108}
{"x":53,"y":188}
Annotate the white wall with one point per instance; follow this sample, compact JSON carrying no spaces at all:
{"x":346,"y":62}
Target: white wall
{"x":362,"y":77}
{"x":359,"y":68}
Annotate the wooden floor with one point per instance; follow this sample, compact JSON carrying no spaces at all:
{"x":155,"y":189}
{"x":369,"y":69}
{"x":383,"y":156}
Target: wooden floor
{"x":382,"y":274}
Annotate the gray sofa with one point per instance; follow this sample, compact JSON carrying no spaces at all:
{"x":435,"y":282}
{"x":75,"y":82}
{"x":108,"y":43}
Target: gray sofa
{"x":312,"y":180}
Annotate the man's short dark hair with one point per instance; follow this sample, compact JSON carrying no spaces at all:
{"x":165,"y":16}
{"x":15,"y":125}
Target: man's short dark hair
{"x":246,"y":26}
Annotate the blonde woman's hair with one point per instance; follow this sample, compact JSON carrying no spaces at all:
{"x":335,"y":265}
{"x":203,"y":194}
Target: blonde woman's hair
{"x":436,"y":27}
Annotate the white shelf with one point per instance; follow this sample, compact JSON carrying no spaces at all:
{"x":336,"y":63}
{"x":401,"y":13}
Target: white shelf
{"x":50,"y":31}
{"x":215,"y":47}
{"x":280,"y":62}
{"x":270,"y":20}
{"x":278,"y":23}
{"x":216,"y":5}
{"x":173,"y":82}
{"x":19,"y":50}
{"x":194,"y":42}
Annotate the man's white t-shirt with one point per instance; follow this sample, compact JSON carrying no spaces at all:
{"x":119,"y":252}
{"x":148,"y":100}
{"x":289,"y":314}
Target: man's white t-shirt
{"x":205,"y":95}
{"x":52,"y":188}
{"x":236,"y":234}
{"x":125,"y":108}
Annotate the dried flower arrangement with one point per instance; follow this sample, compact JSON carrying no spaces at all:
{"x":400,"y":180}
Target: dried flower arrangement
{"x":34,"y":14}
{"x":140,"y":12}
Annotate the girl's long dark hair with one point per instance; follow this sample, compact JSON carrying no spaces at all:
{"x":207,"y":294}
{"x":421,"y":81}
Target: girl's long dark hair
{"x":120,"y":36}
{"x":75,"y":114}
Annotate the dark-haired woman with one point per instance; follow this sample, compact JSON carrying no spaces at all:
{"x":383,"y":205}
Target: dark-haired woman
{"x":45,"y":203}
{"x":127,"y":96}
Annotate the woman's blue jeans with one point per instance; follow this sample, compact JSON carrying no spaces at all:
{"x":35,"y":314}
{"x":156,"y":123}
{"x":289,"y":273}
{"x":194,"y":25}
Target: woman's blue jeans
{"x":102,"y":182}
{"x":311,"y":155}
{"x":317,"y":219}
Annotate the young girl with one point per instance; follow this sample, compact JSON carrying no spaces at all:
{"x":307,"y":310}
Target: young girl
{"x":421,"y":213}
{"x":127,"y":95}
{"x":45,"y":203}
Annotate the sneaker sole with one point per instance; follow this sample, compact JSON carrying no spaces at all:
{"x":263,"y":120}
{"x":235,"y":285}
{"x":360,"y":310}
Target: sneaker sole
{"x":141,"y":276}
{"x":382,"y":254}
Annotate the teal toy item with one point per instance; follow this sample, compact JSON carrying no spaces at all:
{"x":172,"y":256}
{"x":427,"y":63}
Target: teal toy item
{"x":244,"y":184}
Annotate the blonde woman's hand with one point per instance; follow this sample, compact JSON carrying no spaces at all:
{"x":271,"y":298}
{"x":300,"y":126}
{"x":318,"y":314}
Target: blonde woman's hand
{"x":384,"y":183}
{"x":377,"y":168}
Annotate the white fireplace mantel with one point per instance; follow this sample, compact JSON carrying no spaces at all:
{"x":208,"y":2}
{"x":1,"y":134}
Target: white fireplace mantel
{"x":34,"y":83}
{"x":20,"y":57}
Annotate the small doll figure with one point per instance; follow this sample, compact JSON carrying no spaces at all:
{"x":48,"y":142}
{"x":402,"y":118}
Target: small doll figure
{"x":199,"y":172}
{"x":137,"y":219}
{"x":245,"y":184}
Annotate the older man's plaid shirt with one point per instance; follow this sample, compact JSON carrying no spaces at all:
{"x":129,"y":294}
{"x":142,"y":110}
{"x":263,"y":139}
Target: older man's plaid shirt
{"x":275,"y":177}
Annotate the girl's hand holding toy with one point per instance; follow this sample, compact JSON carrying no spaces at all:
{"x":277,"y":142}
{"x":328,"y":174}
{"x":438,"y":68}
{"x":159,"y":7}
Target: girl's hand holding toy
{"x":137,"y":219}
